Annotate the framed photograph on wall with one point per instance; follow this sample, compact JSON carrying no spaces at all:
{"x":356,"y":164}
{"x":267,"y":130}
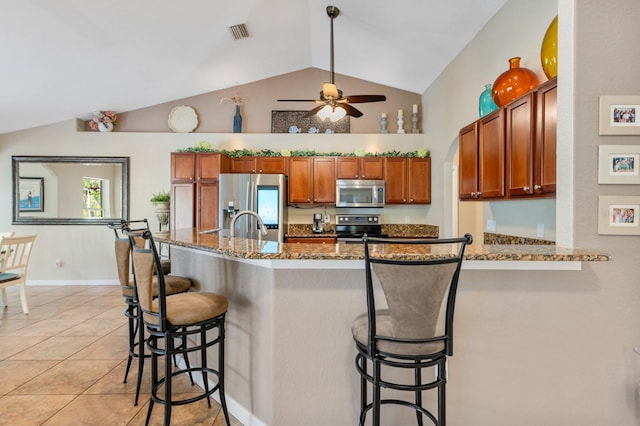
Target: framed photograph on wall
{"x":619,"y":164}
{"x":618,"y":215}
{"x":31,"y":194}
{"x":620,"y":115}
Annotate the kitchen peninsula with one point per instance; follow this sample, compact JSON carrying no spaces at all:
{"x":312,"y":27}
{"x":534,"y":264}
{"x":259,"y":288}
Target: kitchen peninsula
{"x":290,"y":351}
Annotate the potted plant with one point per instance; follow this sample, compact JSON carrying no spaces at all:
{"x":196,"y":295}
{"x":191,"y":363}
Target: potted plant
{"x":161,"y":202}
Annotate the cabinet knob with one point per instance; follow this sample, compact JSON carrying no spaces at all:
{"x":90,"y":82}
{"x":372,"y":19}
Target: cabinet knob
{"x":537,"y":187}
{"x":474,"y":194}
{"x":404,"y":200}
{"x":411,"y":200}
{"x":526,"y":188}
{"x":478,"y":194}
{"x":355,"y":176}
{"x":363,"y":176}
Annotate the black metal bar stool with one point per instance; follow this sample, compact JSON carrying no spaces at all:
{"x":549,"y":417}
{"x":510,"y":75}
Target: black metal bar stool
{"x":193,"y":317}
{"x":174,"y":284}
{"x":415,"y":329}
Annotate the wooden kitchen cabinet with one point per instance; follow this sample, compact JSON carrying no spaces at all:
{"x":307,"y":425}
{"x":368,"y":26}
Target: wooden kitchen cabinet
{"x":544,"y":161}
{"x":312,"y":180}
{"x":482,"y":158}
{"x":531,"y":124}
{"x":359,"y":168}
{"x":407,"y":180}
{"x":194,"y":189}
{"x":251,"y":164}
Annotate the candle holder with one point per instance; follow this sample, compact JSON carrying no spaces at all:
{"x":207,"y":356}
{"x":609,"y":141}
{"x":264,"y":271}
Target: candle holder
{"x":400,"y":124}
{"x":383,"y":125}
{"x":414,"y":123}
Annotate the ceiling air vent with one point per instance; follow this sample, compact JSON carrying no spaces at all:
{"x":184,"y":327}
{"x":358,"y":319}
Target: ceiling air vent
{"x":239,"y":31}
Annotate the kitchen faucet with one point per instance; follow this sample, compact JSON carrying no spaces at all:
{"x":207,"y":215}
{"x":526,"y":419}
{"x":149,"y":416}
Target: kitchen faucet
{"x":263,"y":229}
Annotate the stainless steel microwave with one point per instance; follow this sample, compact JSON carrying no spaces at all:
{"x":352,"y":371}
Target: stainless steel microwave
{"x":359,"y":193}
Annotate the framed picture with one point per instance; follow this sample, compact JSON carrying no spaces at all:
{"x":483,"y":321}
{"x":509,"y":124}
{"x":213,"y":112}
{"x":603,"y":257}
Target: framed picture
{"x":298,"y":122}
{"x":619,"y":164}
{"x":618,"y":215}
{"x":31,"y":194}
{"x":620,"y":115}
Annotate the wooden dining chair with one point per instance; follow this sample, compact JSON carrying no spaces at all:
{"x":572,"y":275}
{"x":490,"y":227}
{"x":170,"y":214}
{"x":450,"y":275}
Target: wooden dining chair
{"x":14,"y":261}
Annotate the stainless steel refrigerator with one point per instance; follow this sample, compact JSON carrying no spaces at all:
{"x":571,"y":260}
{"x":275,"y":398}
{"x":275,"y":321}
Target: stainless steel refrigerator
{"x":264,"y":194}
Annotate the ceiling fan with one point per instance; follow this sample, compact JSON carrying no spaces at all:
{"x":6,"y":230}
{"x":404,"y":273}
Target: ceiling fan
{"x":332,"y":104}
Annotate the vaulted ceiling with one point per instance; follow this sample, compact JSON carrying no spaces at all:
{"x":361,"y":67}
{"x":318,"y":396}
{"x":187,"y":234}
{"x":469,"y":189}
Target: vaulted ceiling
{"x":64,"y":59}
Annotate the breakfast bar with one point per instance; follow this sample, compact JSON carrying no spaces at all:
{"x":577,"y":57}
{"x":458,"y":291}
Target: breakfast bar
{"x":290,"y":351}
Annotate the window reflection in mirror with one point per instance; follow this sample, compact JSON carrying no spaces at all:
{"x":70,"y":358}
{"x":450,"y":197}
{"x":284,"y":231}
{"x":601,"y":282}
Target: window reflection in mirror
{"x":77,"y":190}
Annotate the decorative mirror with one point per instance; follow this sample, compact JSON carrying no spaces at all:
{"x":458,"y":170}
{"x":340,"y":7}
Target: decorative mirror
{"x":69,"y":190}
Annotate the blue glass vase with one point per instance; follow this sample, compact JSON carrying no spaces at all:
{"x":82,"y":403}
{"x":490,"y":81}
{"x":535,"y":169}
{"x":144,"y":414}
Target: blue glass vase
{"x":486,"y":104}
{"x":237,"y":121}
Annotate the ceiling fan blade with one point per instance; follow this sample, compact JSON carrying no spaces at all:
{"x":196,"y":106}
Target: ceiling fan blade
{"x":358,"y":99}
{"x":351,"y":111}
{"x":313,"y":111}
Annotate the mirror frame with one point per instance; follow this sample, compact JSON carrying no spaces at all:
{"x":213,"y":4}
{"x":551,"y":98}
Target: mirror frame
{"x":15,"y":171}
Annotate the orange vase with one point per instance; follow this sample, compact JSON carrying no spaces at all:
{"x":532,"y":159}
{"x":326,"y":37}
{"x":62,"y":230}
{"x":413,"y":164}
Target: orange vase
{"x":513,"y":83}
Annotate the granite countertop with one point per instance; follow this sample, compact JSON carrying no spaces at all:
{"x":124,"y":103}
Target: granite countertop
{"x":271,"y":250}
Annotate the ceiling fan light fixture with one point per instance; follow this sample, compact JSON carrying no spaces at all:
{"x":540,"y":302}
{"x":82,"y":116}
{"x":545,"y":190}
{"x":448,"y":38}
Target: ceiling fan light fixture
{"x":325,"y":112}
{"x":338,"y":113}
{"x":330,"y":90}
{"x":333,"y":113}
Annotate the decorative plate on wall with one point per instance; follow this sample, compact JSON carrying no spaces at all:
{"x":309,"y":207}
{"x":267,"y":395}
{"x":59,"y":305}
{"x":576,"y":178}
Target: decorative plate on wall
{"x":183,"y":119}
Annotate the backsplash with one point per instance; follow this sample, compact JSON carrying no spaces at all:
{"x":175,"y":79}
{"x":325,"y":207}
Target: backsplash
{"x":492,"y":238}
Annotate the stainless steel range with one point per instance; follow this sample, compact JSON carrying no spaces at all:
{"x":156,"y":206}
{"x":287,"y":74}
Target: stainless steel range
{"x":351,"y":227}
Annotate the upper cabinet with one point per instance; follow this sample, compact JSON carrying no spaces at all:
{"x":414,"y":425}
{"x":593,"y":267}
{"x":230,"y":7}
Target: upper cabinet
{"x":482,"y":154}
{"x":531,"y":143}
{"x":359,"y":168}
{"x":511,"y":153}
{"x":407,"y":180}
{"x":312,"y":180}
{"x":255,"y":164}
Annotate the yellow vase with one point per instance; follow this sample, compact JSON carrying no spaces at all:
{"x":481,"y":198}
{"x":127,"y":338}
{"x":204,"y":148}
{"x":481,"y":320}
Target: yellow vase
{"x":549,"y":50}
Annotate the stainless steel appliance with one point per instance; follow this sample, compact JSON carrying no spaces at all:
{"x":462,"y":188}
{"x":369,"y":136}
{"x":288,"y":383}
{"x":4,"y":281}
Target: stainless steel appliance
{"x":318,"y":227}
{"x":264,"y":194}
{"x":351,"y":227}
{"x":360,"y":193}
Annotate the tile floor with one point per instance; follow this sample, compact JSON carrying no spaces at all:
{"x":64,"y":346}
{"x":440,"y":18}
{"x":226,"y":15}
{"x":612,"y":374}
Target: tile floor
{"x":63,"y":364}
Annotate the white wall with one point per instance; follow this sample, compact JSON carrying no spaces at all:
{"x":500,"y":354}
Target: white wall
{"x":451,"y":102}
{"x":550,"y":348}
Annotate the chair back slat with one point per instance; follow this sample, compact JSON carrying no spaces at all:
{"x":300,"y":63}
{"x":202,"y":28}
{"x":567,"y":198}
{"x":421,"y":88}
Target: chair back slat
{"x":15,"y":253}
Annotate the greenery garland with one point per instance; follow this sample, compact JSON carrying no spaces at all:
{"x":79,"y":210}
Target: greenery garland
{"x":204,"y":146}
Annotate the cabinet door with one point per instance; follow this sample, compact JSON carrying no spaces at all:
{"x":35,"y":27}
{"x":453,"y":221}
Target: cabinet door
{"x":300,"y":180}
{"x":324,"y":180}
{"x":395,"y":175}
{"x":183,"y":166}
{"x":546,"y":138}
{"x":243,"y":165}
{"x":182,"y":205}
{"x":492,"y":154}
{"x":207,"y":205}
{"x":468,"y":162}
{"x":271,"y":165}
{"x":371,"y":168}
{"x":208,"y":166}
{"x":419,"y":180}
{"x":519,"y":137}
{"x":347,"y":168}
